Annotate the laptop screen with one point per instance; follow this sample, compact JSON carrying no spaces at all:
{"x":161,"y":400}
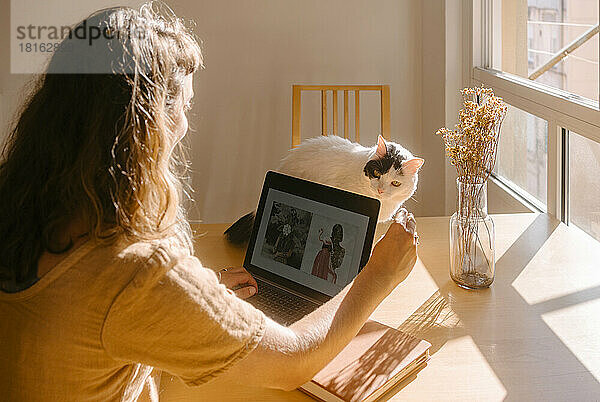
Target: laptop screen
{"x":310,"y":241}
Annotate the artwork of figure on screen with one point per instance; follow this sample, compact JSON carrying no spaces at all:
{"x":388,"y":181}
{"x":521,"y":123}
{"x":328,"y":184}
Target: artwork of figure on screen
{"x":331,"y":255}
{"x":285,"y":238}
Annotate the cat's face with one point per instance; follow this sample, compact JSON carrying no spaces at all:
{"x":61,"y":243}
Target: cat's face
{"x":393,"y":171}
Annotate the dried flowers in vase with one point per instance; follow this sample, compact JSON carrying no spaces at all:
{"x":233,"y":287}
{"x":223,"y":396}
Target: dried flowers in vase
{"x":472,"y":149}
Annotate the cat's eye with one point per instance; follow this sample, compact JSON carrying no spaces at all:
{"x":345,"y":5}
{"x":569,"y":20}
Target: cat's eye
{"x":396,"y":183}
{"x":376,"y":174}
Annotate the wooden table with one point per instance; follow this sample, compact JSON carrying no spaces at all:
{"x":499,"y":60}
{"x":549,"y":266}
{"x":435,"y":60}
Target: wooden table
{"x":534,"y":335}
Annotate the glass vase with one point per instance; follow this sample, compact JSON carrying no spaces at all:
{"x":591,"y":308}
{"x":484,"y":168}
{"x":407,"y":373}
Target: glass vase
{"x":472,"y":237}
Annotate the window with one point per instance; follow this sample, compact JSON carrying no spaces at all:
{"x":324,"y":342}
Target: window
{"x":541,"y":57}
{"x":584,"y":185}
{"x":562,"y":106}
{"x":522,"y":154}
{"x":552,"y":42}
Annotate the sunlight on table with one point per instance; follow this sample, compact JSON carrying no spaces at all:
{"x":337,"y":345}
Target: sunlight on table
{"x":577,"y":327}
{"x":544,"y":278}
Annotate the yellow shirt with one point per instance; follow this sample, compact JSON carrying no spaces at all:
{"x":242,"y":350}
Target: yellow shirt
{"x":94,"y":326}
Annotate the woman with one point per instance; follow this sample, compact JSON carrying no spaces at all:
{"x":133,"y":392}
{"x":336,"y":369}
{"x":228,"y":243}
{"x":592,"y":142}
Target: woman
{"x":331,"y":255}
{"x":100,"y":288}
{"x":337,"y":251}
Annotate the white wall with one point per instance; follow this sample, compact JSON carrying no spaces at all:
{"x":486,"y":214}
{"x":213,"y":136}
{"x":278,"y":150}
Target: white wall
{"x":432,"y":177}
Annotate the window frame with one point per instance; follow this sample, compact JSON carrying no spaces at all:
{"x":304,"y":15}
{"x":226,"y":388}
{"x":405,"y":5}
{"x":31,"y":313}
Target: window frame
{"x":563,"y":111}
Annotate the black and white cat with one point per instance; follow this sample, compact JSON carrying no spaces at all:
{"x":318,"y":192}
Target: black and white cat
{"x":387,"y":171}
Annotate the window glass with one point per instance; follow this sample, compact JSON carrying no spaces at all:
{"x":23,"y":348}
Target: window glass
{"x":529,"y":34}
{"x":584,"y":186}
{"x":523,"y":153}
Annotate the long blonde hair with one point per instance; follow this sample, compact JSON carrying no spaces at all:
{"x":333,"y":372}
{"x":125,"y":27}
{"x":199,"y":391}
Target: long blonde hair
{"x":100,"y":145}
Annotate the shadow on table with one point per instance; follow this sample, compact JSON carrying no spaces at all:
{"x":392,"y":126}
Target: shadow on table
{"x":434,"y":321}
{"x":371,"y":371}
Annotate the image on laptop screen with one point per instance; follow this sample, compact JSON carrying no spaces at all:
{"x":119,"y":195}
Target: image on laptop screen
{"x":311,"y":243}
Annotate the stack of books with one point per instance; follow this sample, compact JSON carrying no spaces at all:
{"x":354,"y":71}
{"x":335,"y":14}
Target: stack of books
{"x":378,"y":358}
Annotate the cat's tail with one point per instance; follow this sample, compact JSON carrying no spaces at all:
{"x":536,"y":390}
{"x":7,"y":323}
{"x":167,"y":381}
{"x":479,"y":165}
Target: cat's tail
{"x":239,"y":233}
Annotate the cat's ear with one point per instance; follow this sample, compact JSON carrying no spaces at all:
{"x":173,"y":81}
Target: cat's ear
{"x":381,"y":148}
{"x":412,"y":166}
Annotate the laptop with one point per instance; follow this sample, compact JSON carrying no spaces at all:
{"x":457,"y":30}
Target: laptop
{"x":307,"y":243}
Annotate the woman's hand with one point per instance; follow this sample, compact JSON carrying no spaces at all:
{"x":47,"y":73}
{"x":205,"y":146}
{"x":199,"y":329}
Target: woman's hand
{"x":395,"y":254}
{"x":239,"y":281}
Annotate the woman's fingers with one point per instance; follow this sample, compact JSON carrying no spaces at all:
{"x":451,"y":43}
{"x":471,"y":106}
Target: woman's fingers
{"x":235,"y":269}
{"x":406,"y":219}
{"x":400,"y":215}
{"x":245,"y":292}
{"x":398,"y":231}
{"x":237,"y":277}
{"x":395,"y":254}
{"x":411,"y":225}
{"x":408,"y":222}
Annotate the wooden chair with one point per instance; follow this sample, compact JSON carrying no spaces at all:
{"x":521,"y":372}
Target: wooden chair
{"x":384,"y":91}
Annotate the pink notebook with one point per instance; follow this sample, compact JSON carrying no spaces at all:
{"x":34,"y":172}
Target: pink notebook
{"x":378,"y":358}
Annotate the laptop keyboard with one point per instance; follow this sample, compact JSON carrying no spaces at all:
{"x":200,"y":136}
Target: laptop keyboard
{"x":281,"y":306}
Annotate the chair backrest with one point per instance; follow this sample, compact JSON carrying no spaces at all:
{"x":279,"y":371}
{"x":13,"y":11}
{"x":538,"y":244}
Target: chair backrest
{"x":384,"y":91}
